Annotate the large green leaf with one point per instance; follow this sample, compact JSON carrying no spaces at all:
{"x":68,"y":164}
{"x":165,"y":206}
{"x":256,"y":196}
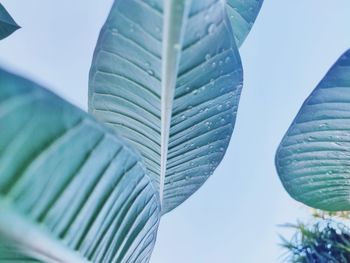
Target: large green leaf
{"x":7,"y":24}
{"x":313,"y":159}
{"x":14,"y":255}
{"x":242,"y":14}
{"x":70,"y":189}
{"x":168,"y":78}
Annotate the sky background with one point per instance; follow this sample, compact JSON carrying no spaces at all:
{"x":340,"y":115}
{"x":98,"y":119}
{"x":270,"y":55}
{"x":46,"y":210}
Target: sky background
{"x":234,"y":217}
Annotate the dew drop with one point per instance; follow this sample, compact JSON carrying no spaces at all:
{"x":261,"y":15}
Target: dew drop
{"x":211,"y":28}
{"x":310,"y":138}
{"x":115,"y":31}
{"x":177,"y":46}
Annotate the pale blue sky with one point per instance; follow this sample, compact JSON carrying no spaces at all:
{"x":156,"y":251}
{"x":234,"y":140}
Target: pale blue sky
{"x":234,"y":216}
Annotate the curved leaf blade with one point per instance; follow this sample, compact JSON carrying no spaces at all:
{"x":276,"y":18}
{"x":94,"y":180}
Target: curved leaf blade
{"x":242,"y":14}
{"x":125,"y":89}
{"x":69,"y":182}
{"x":313,"y":157}
{"x":7,"y":24}
{"x":10,"y":253}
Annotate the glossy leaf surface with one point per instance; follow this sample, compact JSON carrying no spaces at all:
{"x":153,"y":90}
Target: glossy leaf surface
{"x":168,"y":78}
{"x":242,"y":14}
{"x":313,"y":159}
{"x":70,"y":189}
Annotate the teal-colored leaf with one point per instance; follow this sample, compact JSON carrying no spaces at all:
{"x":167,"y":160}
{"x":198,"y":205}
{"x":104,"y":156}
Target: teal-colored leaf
{"x":70,"y":189}
{"x":12,"y":254}
{"x":313,"y":159}
{"x":242,"y":14}
{"x":168,"y":78}
{"x":7,"y":24}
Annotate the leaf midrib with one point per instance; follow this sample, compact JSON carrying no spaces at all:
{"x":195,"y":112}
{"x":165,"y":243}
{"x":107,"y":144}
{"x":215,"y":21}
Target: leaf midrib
{"x":174,"y":23}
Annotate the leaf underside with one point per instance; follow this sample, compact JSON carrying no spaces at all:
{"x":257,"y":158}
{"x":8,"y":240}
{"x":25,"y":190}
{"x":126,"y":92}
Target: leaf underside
{"x":313,"y":159}
{"x":242,"y":14}
{"x":69,"y":184}
{"x":125,"y":90}
{"x":7,"y":24}
{"x":10,"y":254}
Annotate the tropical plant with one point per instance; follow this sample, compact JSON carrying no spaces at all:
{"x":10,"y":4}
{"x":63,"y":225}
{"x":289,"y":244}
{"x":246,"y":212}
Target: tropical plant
{"x":165,"y":81}
{"x":313,"y":157}
{"x":242,"y":16}
{"x":325,"y":241}
{"x":320,"y":214}
{"x":170,"y":85}
{"x":81,"y":185}
{"x":7,"y":24}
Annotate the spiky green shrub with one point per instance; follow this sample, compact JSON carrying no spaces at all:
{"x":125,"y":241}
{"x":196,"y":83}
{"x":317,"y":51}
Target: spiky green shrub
{"x":325,"y":241}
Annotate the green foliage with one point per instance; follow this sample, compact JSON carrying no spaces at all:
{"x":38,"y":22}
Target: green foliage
{"x":326,"y":241}
{"x":78,"y":191}
{"x":7,"y":24}
{"x":320,"y":214}
{"x":312,"y":159}
{"x":242,"y":14}
{"x":171,"y":92}
{"x":167,"y":77}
